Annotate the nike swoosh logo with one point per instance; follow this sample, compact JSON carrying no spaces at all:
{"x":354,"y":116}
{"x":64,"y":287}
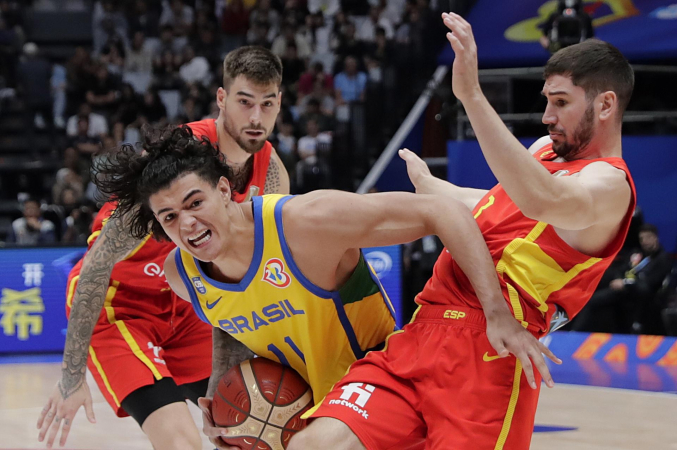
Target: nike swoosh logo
{"x":213,"y":304}
{"x":488,"y":358}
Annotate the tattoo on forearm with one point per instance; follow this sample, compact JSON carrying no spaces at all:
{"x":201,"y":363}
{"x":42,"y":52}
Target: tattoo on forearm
{"x":227,"y":352}
{"x":272,"y":178}
{"x":112,"y":245}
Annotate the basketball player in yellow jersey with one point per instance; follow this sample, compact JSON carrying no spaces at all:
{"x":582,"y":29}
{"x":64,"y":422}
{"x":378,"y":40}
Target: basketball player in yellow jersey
{"x":282,"y":276}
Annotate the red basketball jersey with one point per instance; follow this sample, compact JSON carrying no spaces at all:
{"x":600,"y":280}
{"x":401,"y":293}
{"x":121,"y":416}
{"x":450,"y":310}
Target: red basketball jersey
{"x":536,"y":268}
{"x":257,"y":181}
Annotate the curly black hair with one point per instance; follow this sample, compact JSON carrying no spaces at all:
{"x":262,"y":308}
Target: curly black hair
{"x":130,"y":178}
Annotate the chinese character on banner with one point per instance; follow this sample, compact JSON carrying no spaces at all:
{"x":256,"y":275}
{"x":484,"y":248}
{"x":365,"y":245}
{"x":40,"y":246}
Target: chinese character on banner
{"x":20,"y":312}
{"x":33,"y":274}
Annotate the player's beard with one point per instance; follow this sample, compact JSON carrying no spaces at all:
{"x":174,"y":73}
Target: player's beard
{"x":248,"y":145}
{"x":581,"y":137}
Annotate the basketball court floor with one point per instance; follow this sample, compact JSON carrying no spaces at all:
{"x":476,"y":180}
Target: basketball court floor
{"x":570,"y":416}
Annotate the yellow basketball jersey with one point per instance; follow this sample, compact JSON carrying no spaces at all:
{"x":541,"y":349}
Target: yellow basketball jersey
{"x":279,"y":314}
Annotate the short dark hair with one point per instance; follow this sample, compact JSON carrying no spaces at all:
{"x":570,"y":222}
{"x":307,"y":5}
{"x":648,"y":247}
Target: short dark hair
{"x":647,"y":227}
{"x":130,"y":178}
{"x":596,"y":66}
{"x":257,"y":64}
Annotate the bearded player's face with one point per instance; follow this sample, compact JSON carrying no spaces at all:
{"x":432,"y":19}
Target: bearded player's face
{"x":249,"y":112}
{"x":569,"y":115}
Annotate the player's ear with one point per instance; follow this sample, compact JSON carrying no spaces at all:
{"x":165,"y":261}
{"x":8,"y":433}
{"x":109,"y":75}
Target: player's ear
{"x":221,"y":96}
{"x":223,"y":186}
{"x":609,"y":104}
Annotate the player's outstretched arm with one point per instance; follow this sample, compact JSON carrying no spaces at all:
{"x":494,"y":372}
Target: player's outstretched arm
{"x":426,"y":183}
{"x":277,"y":178}
{"x":339,"y":221}
{"x":71,"y":392}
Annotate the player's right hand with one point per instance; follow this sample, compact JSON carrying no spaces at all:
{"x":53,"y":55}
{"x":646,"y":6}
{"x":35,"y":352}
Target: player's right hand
{"x":417,"y":169}
{"x":210,"y":429}
{"x":60,"y":410}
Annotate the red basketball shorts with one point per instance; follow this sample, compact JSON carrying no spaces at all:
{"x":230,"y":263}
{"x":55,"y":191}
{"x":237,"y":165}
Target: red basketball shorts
{"x":140,"y":338}
{"x":436,"y":385}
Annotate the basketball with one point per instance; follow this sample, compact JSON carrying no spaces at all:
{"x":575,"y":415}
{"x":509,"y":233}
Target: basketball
{"x":260,"y":402}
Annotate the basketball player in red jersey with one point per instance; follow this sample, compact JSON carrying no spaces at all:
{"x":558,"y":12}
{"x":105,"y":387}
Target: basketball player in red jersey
{"x":146,"y":351}
{"x":552,"y":225}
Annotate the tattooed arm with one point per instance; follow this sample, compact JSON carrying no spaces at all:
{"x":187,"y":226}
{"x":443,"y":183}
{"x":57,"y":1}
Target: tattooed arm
{"x":277,"y":178}
{"x":227,"y":352}
{"x":113,"y":244}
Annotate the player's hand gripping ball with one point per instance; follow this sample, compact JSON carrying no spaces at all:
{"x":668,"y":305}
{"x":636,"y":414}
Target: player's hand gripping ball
{"x":260,"y":402}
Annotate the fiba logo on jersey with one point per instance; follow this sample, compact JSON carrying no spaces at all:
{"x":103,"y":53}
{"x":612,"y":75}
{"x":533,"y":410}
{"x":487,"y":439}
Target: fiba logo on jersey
{"x":275,"y":274}
{"x":199,"y":285}
{"x":359,"y":393}
{"x":381,"y":262}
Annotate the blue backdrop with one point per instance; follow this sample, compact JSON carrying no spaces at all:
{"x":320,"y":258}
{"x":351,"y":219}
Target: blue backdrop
{"x":33,"y":288}
{"x":32,"y":306}
{"x":652,"y":161}
{"x":507,"y":33}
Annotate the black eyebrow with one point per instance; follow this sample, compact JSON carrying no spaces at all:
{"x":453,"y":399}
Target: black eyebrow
{"x":555,"y":93}
{"x":189,"y":195}
{"x":246,"y":94}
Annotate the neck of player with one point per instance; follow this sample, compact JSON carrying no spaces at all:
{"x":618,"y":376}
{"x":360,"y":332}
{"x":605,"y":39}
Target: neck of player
{"x":237,"y":247}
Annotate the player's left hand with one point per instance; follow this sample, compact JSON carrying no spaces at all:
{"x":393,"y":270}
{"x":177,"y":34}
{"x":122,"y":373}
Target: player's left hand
{"x":507,"y":336}
{"x":213,"y":432}
{"x":465,"y":80}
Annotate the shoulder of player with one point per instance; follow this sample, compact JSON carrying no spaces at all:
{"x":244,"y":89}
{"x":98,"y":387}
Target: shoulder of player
{"x":173,"y":277}
{"x":539,"y":144}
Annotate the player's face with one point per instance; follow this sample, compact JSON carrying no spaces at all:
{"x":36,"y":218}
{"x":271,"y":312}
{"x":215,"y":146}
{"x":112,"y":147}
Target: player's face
{"x":569,"y":115}
{"x":249,"y":112}
{"x":190,"y":211}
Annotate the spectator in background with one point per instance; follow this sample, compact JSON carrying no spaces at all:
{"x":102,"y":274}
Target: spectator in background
{"x":73,"y":175}
{"x":104,"y":92}
{"x":290,"y":35}
{"x":153,"y":110}
{"x":82,"y":141}
{"x":348,"y":45}
{"x":327,"y":7}
{"x":31,"y":229}
{"x":258,"y":35}
{"x":108,"y":23}
{"x":195,"y":69}
{"x":311,"y":172}
{"x":130,"y":106}
{"x":113,"y":57}
{"x":177,"y":14}
{"x":79,"y":70}
{"x":309,"y":77}
{"x":144,"y":19}
{"x":350,"y":85}
{"x":311,"y":111}
{"x":292,"y":68}
{"x":34,"y":76}
{"x":234,"y":24}
{"x":208,"y":46}
{"x":627,"y":302}
{"x":264,"y":14}
{"x":78,"y":225}
{"x":286,"y":144}
{"x":96,"y":122}
{"x":319,"y":34}
{"x":367,"y":31}
{"x":139,"y":57}
{"x":166,"y":70}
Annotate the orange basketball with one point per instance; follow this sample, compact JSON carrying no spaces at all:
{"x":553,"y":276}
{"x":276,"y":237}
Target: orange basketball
{"x":261,"y":403}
